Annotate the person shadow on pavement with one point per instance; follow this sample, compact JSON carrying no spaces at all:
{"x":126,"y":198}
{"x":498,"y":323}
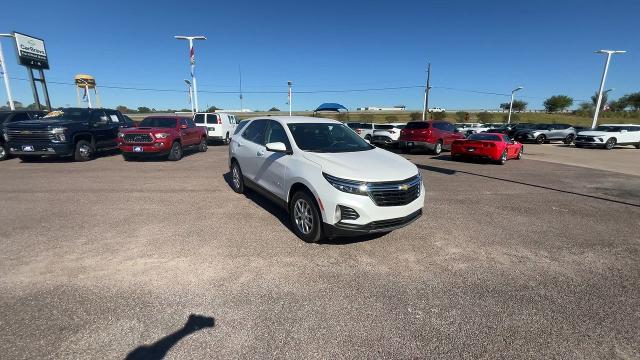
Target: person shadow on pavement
{"x":158,"y":350}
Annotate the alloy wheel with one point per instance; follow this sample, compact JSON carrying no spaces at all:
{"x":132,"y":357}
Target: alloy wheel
{"x":236,"y":177}
{"x":303,"y":216}
{"x":85,"y":151}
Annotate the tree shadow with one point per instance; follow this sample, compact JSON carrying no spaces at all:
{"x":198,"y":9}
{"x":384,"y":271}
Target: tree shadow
{"x":158,"y":350}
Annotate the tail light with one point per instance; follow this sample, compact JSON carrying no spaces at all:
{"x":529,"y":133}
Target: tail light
{"x":359,"y":131}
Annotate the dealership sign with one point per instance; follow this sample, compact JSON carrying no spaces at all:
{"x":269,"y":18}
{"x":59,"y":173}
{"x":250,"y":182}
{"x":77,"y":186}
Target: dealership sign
{"x":31,"y":51}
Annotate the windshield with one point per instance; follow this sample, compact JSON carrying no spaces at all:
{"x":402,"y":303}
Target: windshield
{"x":158,"y":122}
{"x":68,"y":114}
{"x":484,"y":136}
{"x":327,"y":137}
{"x":607,"y":128}
{"x":384,"y":127}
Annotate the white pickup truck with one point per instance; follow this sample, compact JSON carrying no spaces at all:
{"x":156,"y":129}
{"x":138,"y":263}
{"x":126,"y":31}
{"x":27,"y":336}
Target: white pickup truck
{"x":220,"y":126}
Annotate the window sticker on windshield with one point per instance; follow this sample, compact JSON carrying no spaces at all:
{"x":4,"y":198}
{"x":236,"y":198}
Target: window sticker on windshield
{"x":114,"y":118}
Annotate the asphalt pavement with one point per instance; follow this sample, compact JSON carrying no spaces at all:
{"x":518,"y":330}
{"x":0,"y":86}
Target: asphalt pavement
{"x":111,"y":259}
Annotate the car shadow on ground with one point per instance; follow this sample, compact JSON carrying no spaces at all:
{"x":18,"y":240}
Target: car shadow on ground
{"x":447,"y":171}
{"x":283,"y":216}
{"x":158,"y":350}
{"x":161,"y":158}
{"x":68,"y":159}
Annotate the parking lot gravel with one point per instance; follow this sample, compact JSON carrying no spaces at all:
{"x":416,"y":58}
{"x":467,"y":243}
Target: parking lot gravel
{"x":110,"y":259}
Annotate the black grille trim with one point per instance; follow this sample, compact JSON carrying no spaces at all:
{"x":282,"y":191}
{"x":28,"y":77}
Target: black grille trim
{"x":138,"y":138}
{"x":348,"y":213}
{"x":33,"y":135}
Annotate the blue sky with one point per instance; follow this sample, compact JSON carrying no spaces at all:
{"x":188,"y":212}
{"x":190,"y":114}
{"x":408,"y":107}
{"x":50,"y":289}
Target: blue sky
{"x":545,"y":46}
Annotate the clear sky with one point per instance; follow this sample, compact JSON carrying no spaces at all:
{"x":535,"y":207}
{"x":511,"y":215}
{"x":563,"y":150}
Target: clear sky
{"x":492,"y":46}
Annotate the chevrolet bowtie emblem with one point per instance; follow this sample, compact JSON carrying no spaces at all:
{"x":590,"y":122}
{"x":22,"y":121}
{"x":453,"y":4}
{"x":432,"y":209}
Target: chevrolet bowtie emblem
{"x":403,"y":187}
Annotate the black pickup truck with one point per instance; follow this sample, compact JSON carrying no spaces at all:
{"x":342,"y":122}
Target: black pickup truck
{"x":76,"y":132}
{"x":7,"y":117}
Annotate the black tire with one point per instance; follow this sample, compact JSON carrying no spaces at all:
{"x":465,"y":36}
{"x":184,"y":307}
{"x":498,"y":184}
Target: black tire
{"x":176,"y":152}
{"x":578,"y":145}
{"x":610,"y":144}
{"x":4,"y":152}
{"x":569,"y":139}
{"x":237,"y":181}
{"x":305,"y":217}
{"x":203,"y":145}
{"x":28,"y":158}
{"x":540,"y":139}
{"x":637,"y":145}
{"x":226,"y":139}
{"x":367,"y":137}
{"x":437,"y":149}
{"x":83,"y":151}
{"x":503,"y":158}
{"x":519,"y":157}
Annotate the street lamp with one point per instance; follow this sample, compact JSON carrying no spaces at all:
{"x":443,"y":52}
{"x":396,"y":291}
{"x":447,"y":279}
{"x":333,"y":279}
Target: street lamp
{"x":604,"y":77}
{"x":511,"y":104}
{"x":192,"y":60}
{"x":190,"y":95}
{"x":5,"y":75}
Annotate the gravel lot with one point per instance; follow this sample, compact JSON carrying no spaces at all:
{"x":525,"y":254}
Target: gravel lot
{"x":108,"y":259}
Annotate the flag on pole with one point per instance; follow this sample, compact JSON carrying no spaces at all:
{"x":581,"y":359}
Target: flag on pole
{"x":192,"y":55}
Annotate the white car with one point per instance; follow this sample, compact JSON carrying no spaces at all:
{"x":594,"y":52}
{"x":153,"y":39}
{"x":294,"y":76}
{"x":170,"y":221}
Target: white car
{"x":220,"y":126}
{"x":436,"y":110}
{"x":609,"y":135}
{"x":472,"y":128}
{"x":331,"y":181}
{"x":387,"y":134}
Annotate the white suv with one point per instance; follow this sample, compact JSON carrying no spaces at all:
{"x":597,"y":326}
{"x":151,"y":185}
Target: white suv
{"x":609,"y":135}
{"x":387,"y":134}
{"x":220,"y":126}
{"x":331,"y":181}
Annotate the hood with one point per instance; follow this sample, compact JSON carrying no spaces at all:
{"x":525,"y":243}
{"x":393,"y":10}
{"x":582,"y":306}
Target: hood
{"x":39,"y":124}
{"x":594,"y":133}
{"x":371,"y":165}
{"x":146,"y":130}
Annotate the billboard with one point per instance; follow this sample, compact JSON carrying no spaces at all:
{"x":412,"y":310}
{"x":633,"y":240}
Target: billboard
{"x":31,"y":51}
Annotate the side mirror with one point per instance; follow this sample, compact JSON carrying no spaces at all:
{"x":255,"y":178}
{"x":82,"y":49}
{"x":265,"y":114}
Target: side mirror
{"x":183,"y":126}
{"x":277,"y":147}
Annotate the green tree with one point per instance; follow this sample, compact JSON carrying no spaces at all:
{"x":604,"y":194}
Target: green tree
{"x":585,"y":109}
{"x":274,"y":109}
{"x":439,"y":115}
{"x":558,"y":103}
{"x":518,"y":106}
{"x":123,"y":109}
{"x":630,"y":100}
{"x":212,"y":109}
{"x":415,"y":116}
{"x":143,"y":109}
{"x":484,"y":117}
{"x":594,"y":100}
{"x":391,"y":118}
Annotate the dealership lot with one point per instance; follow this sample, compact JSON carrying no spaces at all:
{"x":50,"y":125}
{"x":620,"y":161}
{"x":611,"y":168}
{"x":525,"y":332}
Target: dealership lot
{"x":531,"y":259}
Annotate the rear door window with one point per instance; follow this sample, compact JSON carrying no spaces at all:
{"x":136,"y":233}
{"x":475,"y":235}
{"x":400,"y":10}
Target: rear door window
{"x":198,"y":119}
{"x":212,"y":119}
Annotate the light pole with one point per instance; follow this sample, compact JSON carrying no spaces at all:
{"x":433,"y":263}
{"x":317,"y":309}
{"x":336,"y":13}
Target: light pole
{"x":192,"y":60}
{"x":604,"y":77}
{"x":5,"y":75}
{"x":190,"y":95}
{"x":289,"y":83}
{"x":425,"y":105}
{"x":511,"y":104}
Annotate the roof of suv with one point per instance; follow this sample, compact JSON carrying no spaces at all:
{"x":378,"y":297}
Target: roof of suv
{"x":296,"y":119}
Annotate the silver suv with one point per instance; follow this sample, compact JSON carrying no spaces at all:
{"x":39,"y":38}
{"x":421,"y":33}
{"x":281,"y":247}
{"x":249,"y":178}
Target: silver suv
{"x":542,"y":133}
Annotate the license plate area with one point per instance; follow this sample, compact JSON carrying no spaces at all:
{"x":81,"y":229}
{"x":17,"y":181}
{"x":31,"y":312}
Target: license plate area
{"x":138,"y":149}
{"x":28,"y":148}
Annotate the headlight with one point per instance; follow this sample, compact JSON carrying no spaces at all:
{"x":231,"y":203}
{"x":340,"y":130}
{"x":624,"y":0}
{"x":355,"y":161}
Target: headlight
{"x":348,"y":186}
{"x":58,"y":134}
{"x":161,"y":135}
{"x":6,"y":136}
{"x":120,"y":135}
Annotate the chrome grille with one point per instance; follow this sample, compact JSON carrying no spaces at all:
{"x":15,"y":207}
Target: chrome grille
{"x":138,"y":138}
{"x":584,"y":139}
{"x":395,"y":193}
{"x":31,"y":135}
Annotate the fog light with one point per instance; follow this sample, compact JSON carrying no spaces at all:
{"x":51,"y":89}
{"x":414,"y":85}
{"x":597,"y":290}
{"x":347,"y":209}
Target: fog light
{"x":338,"y":214}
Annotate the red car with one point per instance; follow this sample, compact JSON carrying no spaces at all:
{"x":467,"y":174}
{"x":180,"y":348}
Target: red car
{"x":162,"y":136}
{"x":496,"y":147}
{"x":431,"y":135}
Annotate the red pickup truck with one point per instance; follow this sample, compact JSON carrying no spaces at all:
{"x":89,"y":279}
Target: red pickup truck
{"x":162,"y":136}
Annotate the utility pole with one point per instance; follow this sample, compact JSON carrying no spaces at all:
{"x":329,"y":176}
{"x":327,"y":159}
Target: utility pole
{"x":604,"y":78}
{"x":425,"y":107}
{"x":5,"y":75}
{"x":290,"y":96}
{"x":240,"y":72}
{"x":513,"y":92}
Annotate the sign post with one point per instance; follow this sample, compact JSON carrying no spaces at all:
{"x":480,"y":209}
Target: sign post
{"x":33,"y":54}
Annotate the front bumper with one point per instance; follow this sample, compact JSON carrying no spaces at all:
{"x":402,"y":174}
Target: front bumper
{"x":383,"y":140}
{"x":155,"y":148}
{"x":380,"y":226}
{"x":40,"y":148}
{"x":416,"y":145}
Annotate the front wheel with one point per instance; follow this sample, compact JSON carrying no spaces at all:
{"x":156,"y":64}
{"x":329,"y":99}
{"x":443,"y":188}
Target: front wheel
{"x":503,"y":158}
{"x":83,"y":151}
{"x":438,"y":148}
{"x":569,"y":139}
{"x":176,"y":152}
{"x":540,"y":139}
{"x":4,"y":152}
{"x":610,"y":144}
{"x":305,"y":217}
{"x":237,"y":181}
{"x":203,"y":145}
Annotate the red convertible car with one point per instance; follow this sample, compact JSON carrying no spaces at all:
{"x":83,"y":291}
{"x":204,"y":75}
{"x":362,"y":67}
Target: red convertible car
{"x":496,"y":147}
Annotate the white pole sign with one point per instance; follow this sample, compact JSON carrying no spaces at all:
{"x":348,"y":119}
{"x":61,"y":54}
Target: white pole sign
{"x":31,"y":51}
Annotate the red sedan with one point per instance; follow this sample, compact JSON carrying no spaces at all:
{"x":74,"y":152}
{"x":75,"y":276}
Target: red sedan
{"x":496,"y":147}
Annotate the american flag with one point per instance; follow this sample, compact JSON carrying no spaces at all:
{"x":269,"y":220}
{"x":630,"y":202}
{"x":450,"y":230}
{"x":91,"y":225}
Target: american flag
{"x":192,"y":55}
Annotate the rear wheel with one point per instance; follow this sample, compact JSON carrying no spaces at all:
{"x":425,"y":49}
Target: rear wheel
{"x":83,"y":151}
{"x":237,"y":182}
{"x":540,"y":139}
{"x":226,"y":139}
{"x":4,"y":152}
{"x":305,"y":217}
{"x":610,"y":144}
{"x":437,"y":149}
{"x":203,"y":145}
{"x":569,"y":139}
{"x":503,"y":158}
{"x":176,"y":152}
{"x":519,"y":154}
